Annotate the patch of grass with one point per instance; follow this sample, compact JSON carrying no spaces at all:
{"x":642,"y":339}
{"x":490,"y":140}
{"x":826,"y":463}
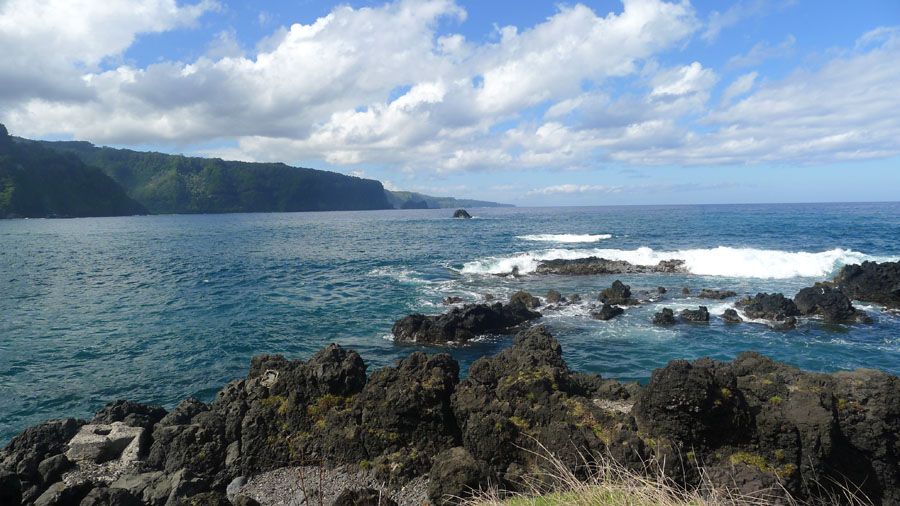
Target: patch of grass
{"x":277,"y":402}
{"x":750,"y":459}
{"x":553,"y":483}
{"x":318,"y":410}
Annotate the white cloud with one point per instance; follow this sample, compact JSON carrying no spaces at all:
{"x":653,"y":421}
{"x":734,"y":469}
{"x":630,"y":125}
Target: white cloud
{"x":762,"y":51}
{"x":224,"y":45}
{"x":847,"y":110}
{"x":739,"y":86}
{"x":718,"y":21}
{"x":641,"y":188}
{"x":47,"y":45}
{"x":573,"y":188}
{"x":382,"y":86}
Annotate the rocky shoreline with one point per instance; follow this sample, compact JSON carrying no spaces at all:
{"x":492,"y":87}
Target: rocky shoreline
{"x":417,"y":431}
{"x":752,"y":424}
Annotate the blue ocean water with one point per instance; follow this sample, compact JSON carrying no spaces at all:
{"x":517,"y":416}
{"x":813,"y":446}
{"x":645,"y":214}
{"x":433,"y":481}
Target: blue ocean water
{"x":159,"y":308}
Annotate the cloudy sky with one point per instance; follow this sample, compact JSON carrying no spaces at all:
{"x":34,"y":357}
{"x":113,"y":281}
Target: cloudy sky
{"x":531,"y":103}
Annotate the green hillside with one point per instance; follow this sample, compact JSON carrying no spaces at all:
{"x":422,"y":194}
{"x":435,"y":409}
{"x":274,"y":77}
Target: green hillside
{"x":36,"y":182}
{"x":413,"y":200}
{"x":179,"y":184}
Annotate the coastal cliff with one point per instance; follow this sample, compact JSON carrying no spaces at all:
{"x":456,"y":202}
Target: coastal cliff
{"x":36,"y":182}
{"x":167,"y":184}
{"x":752,"y":424}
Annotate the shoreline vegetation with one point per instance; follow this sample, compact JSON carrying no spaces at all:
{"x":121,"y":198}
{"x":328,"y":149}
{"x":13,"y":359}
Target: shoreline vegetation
{"x":67,"y":179}
{"x":521,"y":428}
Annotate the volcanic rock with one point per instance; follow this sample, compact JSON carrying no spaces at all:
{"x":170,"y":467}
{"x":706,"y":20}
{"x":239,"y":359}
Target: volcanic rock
{"x":526,"y":299}
{"x":456,"y":473}
{"x":618,"y":293}
{"x":665,"y":317}
{"x":695,"y":315}
{"x":596,"y":265}
{"x":731,"y":316}
{"x":871,"y":282}
{"x":607,"y":312}
{"x":363,"y":497}
{"x":554,"y":297}
{"x":99,"y":443}
{"x":775,"y":307}
{"x":830,"y":303}
{"x":130,"y":413}
{"x":462,"y":324}
{"x":461,"y":213}
{"x":716,"y":294}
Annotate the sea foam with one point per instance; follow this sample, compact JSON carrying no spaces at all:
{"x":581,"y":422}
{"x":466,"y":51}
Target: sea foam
{"x":720,"y":261}
{"x":565,"y":237}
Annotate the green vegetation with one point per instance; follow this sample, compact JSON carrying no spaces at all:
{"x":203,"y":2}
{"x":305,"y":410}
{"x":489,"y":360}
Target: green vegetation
{"x":36,"y":182}
{"x":608,"y":483}
{"x":71,"y":178}
{"x":180,"y":184}
{"x":413,"y":200}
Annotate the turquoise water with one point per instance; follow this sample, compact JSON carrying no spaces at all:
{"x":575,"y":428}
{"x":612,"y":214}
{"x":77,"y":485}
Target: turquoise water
{"x":160,"y":308}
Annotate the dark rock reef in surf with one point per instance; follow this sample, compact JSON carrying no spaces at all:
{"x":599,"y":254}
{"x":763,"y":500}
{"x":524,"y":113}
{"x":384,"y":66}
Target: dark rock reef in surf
{"x":753,"y":424}
{"x":596,"y":265}
{"x":462,"y":324}
{"x":871,"y":282}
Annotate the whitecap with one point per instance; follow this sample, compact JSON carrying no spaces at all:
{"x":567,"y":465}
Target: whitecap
{"x":720,"y":261}
{"x":573,"y":238}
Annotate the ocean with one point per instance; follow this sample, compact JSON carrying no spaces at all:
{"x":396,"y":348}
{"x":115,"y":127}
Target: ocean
{"x":156,"y":309}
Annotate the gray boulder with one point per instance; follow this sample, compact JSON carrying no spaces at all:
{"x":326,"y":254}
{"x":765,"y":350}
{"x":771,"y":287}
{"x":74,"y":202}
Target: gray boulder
{"x":100,"y":443}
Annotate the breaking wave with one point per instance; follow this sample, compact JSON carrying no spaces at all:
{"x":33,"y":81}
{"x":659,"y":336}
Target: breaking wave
{"x":720,"y":261}
{"x":565,"y":237}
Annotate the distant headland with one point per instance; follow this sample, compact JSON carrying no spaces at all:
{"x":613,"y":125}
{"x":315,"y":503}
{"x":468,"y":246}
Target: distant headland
{"x":41,"y":179}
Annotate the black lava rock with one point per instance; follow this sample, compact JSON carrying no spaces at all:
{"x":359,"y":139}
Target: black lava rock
{"x":665,"y":317}
{"x":607,"y":312}
{"x":871,"y":282}
{"x":695,"y":315}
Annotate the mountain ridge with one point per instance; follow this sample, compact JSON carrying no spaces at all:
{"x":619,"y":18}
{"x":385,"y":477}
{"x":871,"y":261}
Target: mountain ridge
{"x":167,"y":184}
{"x":36,"y":182}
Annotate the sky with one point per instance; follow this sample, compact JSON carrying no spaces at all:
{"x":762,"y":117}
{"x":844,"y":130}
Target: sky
{"x":528,"y":103}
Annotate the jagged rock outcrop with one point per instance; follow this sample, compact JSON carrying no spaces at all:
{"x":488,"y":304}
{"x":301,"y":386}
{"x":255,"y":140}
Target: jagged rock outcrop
{"x":769,"y":306}
{"x":527,"y":393}
{"x":25,"y":452}
{"x":715,"y":294}
{"x":607,"y":312}
{"x":749,"y":424}
{"x":554,"y":297}
{"x":596,"y":265}
{"x":804,"y":431}
{"x":462,"y":324}
{"x":700,"y":315}
{"x":871,"y":282}
{"x":526,"y":299}
{"x":731,"y":316}
{"x":461,"y":213}
{"x":619,"y":293}
{"x":130,"y":413}
{"x":665,"y":318}
{"x":830,"y":303}
{"x":455,"y":474}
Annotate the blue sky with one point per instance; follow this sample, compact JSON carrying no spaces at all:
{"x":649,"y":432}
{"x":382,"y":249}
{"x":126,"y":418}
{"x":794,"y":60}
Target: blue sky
{"x":531,"y":103}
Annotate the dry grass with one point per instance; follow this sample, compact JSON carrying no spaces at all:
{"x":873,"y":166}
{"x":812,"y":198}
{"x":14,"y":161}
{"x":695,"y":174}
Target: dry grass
{"x":611,"y":484}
